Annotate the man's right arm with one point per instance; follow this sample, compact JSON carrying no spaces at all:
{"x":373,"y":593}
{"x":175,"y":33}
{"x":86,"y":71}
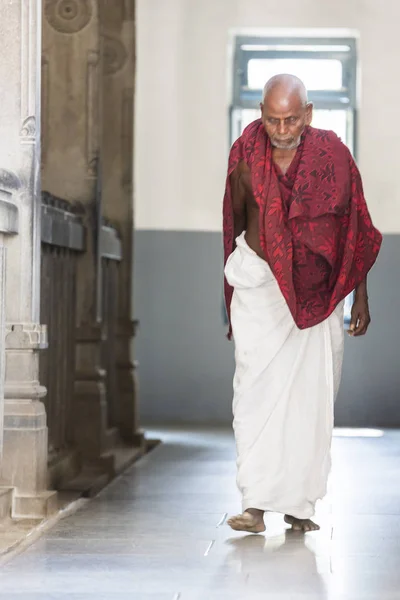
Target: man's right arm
{"x":238,"y":200}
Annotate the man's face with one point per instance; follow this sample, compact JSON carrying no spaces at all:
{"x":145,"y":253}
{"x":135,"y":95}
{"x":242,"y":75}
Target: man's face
{"x":285,"y":119}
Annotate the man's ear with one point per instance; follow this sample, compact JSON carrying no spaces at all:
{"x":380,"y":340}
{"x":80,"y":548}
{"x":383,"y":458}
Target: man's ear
{"x":309,"y":113}
{"x":261,"y":107}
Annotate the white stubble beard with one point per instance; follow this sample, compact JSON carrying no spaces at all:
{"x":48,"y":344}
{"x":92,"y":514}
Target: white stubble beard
{"x":293,"y":146}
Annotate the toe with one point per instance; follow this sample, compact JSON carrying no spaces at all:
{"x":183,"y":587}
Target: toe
{"x":246,"y":522}
{"x":311,"y":526}
{"x":304,"y":525}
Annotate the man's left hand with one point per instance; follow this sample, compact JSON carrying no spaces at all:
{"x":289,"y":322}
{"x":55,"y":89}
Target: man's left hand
{"x":360,"y":317}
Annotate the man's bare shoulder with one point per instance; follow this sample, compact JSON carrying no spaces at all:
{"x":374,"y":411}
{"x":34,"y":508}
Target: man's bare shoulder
{"x":242,"y":175}
{"x":241,"y":169}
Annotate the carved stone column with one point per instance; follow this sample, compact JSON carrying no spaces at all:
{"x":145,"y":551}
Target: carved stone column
{"x":24,"y":464}
{"x":3,"y":258}
{"x":118,"y":37}
{"x":9,"y":189}
{"x":71,"y":131}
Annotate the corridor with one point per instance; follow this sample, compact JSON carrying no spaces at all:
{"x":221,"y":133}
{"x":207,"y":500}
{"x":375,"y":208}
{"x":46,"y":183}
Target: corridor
{"x":158,"y":532}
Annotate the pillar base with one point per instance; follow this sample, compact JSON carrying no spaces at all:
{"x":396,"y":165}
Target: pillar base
{"x":25,"y":459}
{"x":128,"y":385}
{"x":6,"y":497}
{"x":90,"y":404}
{"x":24,"y":464}
{"x":39,"y":506}
{"x":90,"y":425}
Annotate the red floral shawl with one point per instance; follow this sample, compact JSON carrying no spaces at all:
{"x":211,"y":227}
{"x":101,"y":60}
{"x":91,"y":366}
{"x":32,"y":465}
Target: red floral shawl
{"x":328,"y":217}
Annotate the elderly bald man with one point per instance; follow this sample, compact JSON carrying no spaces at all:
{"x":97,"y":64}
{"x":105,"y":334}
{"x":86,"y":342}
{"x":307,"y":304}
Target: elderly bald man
{"x":298,"y":238}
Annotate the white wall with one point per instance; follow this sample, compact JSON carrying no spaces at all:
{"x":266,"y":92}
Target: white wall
{"x":183,"y":99}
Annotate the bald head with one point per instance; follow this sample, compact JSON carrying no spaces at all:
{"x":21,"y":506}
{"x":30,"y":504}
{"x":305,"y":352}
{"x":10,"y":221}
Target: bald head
{"x":283,"y":88}
{"x":285,"y":111}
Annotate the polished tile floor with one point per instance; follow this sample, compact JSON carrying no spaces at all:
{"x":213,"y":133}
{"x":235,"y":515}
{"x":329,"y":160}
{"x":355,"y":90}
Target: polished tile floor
{"x":159,"y":533}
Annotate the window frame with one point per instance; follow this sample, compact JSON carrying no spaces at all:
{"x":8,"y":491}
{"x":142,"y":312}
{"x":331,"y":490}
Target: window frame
{"x":343,"y":49}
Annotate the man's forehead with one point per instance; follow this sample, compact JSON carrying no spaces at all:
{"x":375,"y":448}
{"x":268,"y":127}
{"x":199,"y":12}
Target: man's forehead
{"x":283,"y":96}
{"x":283,"y":107}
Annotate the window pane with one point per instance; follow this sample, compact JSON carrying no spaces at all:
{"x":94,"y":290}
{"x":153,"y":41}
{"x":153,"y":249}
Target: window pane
{"x":293,"y":48}
{"x":317,"y":74}
{"x":248,"y":116}
{"x":335,"y":120}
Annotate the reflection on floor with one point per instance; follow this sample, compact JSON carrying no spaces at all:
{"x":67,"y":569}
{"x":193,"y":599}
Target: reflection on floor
{"x":159,"y":533}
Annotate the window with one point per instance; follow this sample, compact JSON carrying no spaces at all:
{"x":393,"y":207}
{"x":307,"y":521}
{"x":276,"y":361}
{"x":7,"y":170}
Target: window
{"x":316,"y":74}
{"x":328,"y":68}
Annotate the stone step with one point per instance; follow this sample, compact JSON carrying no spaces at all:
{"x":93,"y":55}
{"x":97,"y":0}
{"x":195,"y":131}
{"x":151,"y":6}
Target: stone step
{"x":88,"y":483}
{"x":121,"y":457}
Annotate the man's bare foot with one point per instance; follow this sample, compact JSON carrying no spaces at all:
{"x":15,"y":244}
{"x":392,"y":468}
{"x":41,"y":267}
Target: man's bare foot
{"x":251,"y":521}
{"x":304,"y":525}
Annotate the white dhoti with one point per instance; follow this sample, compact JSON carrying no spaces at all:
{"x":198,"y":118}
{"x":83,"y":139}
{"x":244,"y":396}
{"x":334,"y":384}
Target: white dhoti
{"x":285,"y":385}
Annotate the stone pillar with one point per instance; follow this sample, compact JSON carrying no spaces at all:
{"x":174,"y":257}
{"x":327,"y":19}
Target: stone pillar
{"x":3,"y":258}
{"x":24,"y":464}
{"x":118,"y":39}
{"x":71,"y":132}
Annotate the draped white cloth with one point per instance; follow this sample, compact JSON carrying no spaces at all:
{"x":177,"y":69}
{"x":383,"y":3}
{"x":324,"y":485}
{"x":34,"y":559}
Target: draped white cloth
{"x":285,"y":385}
